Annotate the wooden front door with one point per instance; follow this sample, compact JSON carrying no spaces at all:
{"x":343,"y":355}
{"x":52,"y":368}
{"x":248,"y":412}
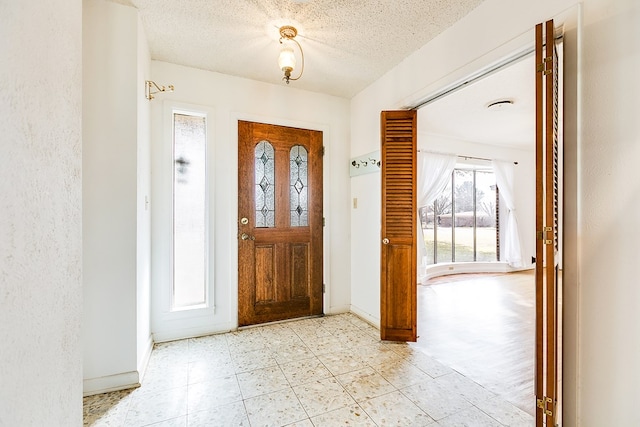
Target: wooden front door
{"x":547,"y":290}
{"x":398,"y":303}
{"x":279,"y":223}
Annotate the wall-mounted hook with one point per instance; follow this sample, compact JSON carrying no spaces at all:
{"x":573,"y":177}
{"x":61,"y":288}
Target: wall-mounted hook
{"x":365,"y":164}
{"x":150,"y":91}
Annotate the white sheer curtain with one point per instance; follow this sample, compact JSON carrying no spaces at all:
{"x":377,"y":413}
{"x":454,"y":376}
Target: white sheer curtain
{"x":434,"y":172}
{"x":504,"y":178}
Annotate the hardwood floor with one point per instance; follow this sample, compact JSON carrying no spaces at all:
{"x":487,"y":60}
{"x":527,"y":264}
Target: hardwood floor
{"x":483,"y":326}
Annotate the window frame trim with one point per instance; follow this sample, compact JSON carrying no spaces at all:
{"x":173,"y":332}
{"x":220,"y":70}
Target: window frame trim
{"x":165,"y":287}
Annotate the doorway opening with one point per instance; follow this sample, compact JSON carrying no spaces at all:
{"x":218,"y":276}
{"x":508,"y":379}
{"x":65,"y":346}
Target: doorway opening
{"x":479,"y":317}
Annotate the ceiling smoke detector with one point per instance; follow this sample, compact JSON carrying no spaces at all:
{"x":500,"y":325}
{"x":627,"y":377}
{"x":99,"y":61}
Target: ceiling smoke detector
{"x":500,"y":105}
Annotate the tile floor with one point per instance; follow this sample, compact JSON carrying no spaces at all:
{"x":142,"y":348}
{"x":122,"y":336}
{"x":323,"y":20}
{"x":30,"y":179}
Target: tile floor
{"x":327,"y":371}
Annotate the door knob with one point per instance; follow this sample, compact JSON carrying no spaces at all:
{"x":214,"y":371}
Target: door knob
{"x":245,"y":236}
{"x":385,"y":241}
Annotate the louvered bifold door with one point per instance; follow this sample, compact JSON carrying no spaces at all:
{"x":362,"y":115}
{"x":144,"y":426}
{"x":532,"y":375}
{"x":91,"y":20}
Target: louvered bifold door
{"x":547,"y":313}
{"x":399,"y":222}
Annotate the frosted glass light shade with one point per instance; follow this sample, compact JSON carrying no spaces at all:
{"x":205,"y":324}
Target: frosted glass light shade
{"x":287,"y":60}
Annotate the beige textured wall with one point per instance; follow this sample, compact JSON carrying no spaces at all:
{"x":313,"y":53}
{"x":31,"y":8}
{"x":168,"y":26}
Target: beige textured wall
{"x":608,"y":332}
{"x":40,"y":213}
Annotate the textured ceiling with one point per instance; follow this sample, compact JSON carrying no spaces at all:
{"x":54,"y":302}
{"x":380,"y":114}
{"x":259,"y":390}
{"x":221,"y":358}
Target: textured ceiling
{"x":348,"y":44}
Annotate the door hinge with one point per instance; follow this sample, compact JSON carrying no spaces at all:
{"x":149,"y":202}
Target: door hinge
{"x":323,"y":150}
{"x":542,"y":404}
{"x":543,"y":68}
{"x":540,"y":235}
{"x":324,"y":221}
{"x":324,"y":288}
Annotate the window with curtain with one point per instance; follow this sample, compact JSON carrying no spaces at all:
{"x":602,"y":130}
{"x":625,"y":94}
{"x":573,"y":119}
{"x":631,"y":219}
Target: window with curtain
{"x":460,"y":225}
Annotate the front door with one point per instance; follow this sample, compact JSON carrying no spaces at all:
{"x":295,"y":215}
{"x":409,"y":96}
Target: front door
{"x":279,"y":223}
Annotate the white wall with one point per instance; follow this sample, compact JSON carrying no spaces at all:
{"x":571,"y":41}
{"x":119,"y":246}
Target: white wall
{"x":231,"y":99}
{"x":365,"y":240}
{"x":601,"y":337}
{"x":115,"y":225}
{"x":609,"y":202}
{"x":40,"y":213}
{"x":143,"y":198}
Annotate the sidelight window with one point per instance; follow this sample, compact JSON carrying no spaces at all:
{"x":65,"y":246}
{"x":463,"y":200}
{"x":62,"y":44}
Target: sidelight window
{"x":189,"y":212}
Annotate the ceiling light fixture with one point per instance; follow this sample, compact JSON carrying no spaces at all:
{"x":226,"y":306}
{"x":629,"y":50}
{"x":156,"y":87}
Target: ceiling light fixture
{"x":287,"y":58}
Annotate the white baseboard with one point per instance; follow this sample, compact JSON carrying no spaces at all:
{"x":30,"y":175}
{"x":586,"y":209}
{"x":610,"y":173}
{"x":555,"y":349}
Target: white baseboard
{"x":123,"y":381}
{"x":374,"y":321}
{"x":183,"y":333}
{"x":144,"y":360}
{"x":109,"y":383}
{"x":340,"y":309}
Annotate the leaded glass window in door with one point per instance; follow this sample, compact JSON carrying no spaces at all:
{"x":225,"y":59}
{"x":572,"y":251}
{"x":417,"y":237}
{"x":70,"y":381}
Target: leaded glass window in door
{"x":265,"y":185}
{"x":298,"y":186}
